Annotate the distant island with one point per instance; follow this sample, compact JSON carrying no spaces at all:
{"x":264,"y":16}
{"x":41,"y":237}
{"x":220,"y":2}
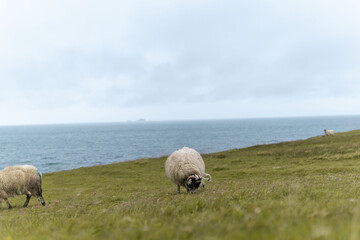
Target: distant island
{"x":138,"y":120}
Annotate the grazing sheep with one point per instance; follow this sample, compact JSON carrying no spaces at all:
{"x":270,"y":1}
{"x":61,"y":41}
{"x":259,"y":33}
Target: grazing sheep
{"x":186,"y":168}
{"x":329,"y":132}
{"x":26,"y":179}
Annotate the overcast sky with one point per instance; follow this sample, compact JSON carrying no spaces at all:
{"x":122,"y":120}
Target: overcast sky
{"x":65,"y":61}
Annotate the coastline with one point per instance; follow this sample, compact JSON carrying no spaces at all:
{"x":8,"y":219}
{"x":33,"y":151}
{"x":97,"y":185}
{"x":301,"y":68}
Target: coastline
{"x":202,"y":154}
{"x":63,"y":147}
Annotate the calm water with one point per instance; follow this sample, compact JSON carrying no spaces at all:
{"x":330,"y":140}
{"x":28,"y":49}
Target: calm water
{"x":61,"y":147}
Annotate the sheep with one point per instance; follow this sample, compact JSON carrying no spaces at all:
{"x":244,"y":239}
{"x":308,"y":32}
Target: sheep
{"x":329,"y":132}
{"x":19,"y":180}
{"x":185,"y":167}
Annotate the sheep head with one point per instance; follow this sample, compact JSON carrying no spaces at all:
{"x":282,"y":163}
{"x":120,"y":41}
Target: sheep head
{"x":192,"y":183}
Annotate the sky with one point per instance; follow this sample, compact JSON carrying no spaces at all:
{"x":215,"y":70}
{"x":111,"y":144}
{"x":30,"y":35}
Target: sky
{"x":112,"y":60}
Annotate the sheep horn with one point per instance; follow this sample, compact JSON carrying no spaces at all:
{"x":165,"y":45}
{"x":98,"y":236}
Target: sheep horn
{"x":209,"y":177}
{"x":188,"y":181}
{"x":193,"y":177}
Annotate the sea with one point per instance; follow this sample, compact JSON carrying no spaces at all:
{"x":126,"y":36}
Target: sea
{"x":53,"y":148}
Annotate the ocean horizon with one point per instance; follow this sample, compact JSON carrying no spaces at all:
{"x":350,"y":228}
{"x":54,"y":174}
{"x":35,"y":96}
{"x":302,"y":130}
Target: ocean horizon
{"x":59,"y":147}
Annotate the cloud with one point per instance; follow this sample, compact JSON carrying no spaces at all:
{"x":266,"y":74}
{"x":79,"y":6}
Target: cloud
{"x":126,"y":57}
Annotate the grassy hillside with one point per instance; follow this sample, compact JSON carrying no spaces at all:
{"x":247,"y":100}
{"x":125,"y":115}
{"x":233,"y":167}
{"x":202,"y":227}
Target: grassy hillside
{"x":295,"y":190}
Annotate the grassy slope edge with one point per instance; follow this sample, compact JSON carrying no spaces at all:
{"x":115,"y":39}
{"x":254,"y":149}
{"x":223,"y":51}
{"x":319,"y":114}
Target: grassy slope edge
{"x":307,"y":189}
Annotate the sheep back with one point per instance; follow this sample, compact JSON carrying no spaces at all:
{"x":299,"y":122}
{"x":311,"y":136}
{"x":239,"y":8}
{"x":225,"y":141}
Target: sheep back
{"x":183,"y":163}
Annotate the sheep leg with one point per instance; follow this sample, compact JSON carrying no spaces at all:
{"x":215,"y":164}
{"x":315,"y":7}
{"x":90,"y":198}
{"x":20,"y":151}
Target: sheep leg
{"x":28,"y":196}
{"x":42,"y":200}
{"x":178,"y":190}
{"x":8,"y":203}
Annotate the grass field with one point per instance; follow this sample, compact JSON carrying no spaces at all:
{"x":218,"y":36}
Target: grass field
{"x":306,"y":189}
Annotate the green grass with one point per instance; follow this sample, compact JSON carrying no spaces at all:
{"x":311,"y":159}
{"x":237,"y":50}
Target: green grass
{"x":306,"y":189}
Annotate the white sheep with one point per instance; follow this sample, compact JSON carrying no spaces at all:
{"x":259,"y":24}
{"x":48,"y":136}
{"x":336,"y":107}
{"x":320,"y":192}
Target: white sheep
{"x":186,"y":168}
{"x":329,"y":132}
{"x":19,"y":180}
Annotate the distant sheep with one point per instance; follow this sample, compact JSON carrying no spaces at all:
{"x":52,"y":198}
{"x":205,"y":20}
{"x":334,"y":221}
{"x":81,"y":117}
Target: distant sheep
{"x":20,"y":180}
{"x":186,"y":168}
{"x":329,"y":132}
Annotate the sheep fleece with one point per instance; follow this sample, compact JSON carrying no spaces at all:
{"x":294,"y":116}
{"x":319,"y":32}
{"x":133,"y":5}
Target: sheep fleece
{"x":31,"y":177}
{"x":12,"y":184}
{"x":183,"y":163}
{"x":329,"y":132}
